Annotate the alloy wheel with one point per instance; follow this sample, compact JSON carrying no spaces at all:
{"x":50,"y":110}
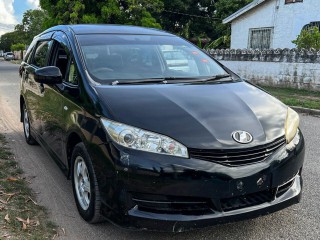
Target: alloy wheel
{"x":82,"y":182}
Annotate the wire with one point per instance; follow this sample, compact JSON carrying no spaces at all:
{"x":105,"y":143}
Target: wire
{"x":191,"y":15}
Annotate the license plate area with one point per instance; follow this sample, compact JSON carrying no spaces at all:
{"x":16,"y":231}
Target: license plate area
{"x":257,"y":183}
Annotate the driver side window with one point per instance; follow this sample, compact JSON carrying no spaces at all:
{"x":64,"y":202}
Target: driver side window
{"x":73,"y":73}
{"x":64,"y":61}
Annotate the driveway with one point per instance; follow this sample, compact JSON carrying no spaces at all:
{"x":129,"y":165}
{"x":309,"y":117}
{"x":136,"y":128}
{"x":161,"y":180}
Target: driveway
{"x":54,"y":191}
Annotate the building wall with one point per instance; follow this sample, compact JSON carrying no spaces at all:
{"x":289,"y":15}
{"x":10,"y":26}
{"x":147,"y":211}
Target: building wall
{"x":262,"y":16}
{"x":287,"y":20}
{"x":291,"y":18}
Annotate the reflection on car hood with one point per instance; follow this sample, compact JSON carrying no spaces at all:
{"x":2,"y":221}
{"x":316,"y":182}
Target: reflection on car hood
{"x":197,"y":115}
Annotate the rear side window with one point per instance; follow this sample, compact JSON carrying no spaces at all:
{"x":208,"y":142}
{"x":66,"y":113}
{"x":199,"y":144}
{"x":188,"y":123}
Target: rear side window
{"x":41,"y":53}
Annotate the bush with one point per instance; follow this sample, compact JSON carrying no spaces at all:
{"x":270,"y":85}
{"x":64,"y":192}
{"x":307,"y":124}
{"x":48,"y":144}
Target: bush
{"x":308,"y":38}
{"x":18,"y":47}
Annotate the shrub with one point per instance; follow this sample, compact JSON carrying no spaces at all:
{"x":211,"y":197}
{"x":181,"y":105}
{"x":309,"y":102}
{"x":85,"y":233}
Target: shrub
{"x":308,"y":38}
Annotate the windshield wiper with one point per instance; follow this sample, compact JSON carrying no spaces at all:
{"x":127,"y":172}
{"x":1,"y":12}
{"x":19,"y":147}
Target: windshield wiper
{"x":143,"y":81}
{"x":166,"y":80}
{"x":163,"y":80}
{"x":216,"y":77}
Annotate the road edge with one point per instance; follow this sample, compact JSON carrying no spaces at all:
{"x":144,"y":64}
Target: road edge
{"x":309,"y":111}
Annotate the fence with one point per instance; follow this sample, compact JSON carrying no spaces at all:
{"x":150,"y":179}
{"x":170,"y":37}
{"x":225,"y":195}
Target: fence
{"x":286,"y":67}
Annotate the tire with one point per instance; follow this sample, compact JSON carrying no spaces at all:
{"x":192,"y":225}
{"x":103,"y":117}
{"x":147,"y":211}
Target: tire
{"x":26,"y":127}
{"x":85,"y":186}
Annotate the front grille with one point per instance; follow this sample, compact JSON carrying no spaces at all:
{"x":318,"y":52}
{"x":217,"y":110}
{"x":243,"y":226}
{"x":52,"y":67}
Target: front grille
{"x":172,"y":205}
{"x":245,"y":201}
{"x":238,"y":157}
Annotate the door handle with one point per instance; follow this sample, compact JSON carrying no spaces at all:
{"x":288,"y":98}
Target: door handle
{"x":26,"y":76}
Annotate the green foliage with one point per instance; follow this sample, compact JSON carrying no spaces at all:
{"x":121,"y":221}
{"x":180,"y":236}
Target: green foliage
{"x":188,"y":18}
{"x":32,"y":24}
{"x":8,"y":39}
{"x":221,"y":42}
{"x":225,"y":8}
{"x":309,"y":38}
{"x":18,"y":47}
{"x":199,"y":43}
{"x":130,"y":12}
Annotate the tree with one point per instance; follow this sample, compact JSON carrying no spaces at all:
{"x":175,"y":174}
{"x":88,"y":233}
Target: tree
{"x":308,"y":38}
{"x":189,"y":18}
{"x":19,"y":47}
{"x":32,"y":24}
{"x":202,"y":18}
{"x":225,"y":8}
{"x":132,"y":12}
{"x":8,"y":39}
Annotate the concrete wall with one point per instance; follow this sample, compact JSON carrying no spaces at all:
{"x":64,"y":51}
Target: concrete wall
{"x":17,"y":54}
{"x":286,"y":67}
{"x":286,"y":19}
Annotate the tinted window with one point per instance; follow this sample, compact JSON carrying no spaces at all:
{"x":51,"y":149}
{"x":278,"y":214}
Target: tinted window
{"x":118,"y":57}
{"x":73,"y":73}
{"x":41,"y":53}
{"x":27,"y":57}
{"x":61,"y":58}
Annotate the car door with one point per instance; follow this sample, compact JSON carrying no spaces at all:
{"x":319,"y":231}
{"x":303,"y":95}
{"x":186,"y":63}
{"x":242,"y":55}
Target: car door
{"x":34,"y":92}
{"x":54,"y":126}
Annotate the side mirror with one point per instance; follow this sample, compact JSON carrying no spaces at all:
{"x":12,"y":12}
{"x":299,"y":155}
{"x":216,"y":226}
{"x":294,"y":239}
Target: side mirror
{"x":48,"y":75}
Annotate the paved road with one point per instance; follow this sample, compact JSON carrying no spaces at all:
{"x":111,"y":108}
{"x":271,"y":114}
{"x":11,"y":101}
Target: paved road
{"x":300,"y":221}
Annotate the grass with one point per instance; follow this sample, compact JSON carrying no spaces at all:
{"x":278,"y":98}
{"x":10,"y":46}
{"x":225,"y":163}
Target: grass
{"x":20,"y":216}
{"x":16,"y":61}
{"x":295,"y":97}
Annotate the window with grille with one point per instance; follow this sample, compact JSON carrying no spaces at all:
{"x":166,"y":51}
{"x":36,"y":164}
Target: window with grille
{"x":260,"y":38}
{"x":292,"y":1}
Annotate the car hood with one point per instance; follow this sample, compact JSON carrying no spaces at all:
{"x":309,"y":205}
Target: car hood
{"x":197,"y":115}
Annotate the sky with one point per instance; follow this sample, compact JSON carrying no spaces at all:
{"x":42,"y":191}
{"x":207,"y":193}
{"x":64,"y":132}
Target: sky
{"x":11,"y":12}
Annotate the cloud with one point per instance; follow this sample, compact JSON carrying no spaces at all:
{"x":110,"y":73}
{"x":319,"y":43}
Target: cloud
{"x":34,"y":3}
{"x":7,"y":18}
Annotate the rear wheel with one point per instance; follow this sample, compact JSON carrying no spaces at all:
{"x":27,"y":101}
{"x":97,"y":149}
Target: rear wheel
{"x":26,"y":127}
{"x":85,"y":185}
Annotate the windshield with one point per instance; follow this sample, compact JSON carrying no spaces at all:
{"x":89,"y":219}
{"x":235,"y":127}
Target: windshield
{"x":138,"y":57}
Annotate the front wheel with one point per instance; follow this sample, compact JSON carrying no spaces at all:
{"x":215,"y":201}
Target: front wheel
{"x":85,"y":186}
{"x":27,"y":127}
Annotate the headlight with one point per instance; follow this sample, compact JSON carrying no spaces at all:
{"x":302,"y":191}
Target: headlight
{"x":139,"y":139}
{"x":291,"y":125}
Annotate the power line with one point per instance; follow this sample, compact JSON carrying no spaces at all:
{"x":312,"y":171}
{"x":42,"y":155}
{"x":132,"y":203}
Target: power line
{"x":190,"y":15}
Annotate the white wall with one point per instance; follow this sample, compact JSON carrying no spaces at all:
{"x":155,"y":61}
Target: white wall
{"x":290,"y":19}
{"x":261,"y":16}
{"x":301,"y":75}
{"x":287,"y":20}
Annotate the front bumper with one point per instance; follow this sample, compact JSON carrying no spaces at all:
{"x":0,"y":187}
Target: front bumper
{"x":179,"y":223}
{"x":164,"y":193}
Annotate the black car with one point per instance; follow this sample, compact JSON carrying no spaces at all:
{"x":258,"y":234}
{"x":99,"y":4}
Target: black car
{"x":154,"y":145}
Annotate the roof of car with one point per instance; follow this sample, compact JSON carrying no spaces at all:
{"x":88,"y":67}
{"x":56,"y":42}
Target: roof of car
{"x":109,"y":29}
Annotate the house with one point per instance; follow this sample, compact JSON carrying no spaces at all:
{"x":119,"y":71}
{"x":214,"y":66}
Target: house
{"x":265,"y":24}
